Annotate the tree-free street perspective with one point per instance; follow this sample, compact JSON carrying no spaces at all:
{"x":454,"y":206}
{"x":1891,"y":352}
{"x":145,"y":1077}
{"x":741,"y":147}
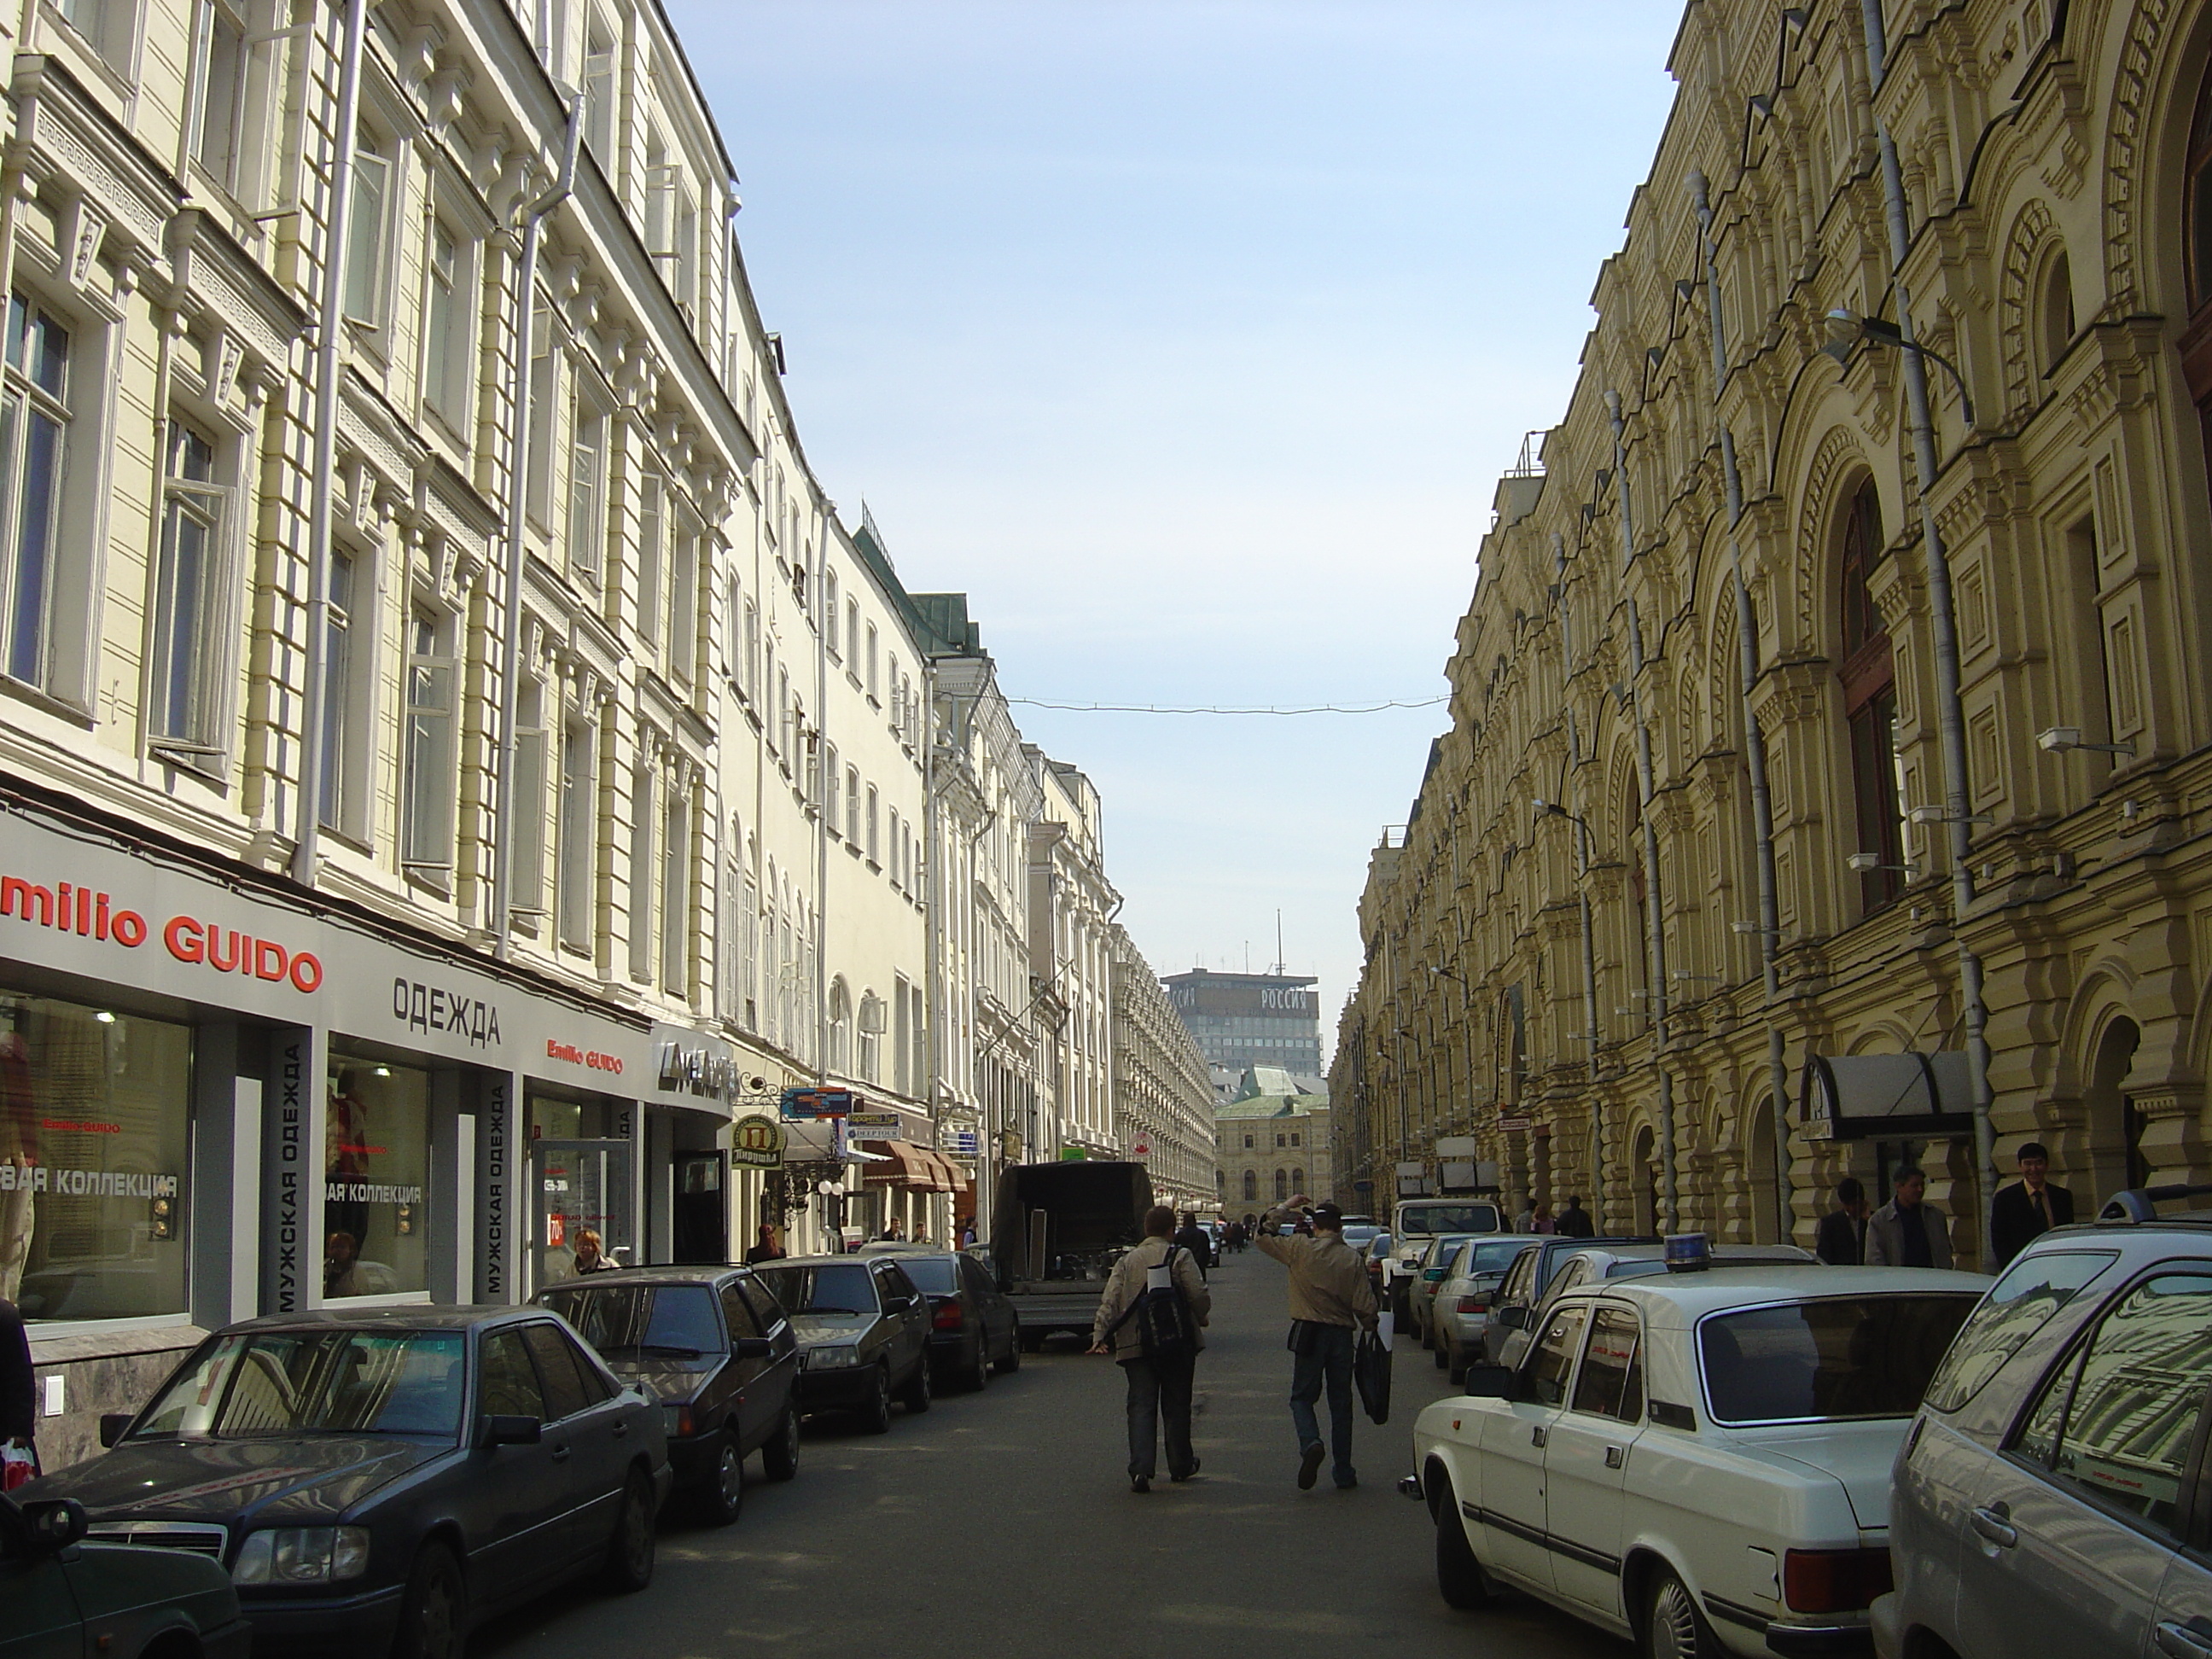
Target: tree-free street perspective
{"x":1000,"y":1524}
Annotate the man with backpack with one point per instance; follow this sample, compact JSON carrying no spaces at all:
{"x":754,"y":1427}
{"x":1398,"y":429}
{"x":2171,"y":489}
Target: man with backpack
{"x":1150,"y":1319}
{"x":1330,"y":1300}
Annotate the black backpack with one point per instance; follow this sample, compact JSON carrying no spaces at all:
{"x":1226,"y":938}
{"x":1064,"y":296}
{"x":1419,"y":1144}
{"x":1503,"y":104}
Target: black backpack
{"x":1164,"y":1326}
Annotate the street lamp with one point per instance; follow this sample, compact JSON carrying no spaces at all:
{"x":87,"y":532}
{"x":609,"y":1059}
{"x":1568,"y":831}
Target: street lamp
{"x":1865,"y":863}
{"x":1845,"y":329}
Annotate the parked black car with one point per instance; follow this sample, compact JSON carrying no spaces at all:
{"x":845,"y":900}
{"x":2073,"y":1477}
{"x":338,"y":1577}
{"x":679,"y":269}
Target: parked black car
{"x":60,"y":1597}
{"x":863,"y":1332}
{"x":378,"y":1481}
{"x":713,"y":1347}
{"x":973,"y":1328}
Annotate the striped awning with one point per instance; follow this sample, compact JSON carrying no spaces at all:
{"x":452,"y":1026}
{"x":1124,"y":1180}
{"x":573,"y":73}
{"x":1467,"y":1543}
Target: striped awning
{"x":915,"y":1167}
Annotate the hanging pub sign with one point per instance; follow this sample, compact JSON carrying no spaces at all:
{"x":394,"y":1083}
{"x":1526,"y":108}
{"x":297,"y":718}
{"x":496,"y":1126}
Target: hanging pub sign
{"x":1912,"y":1097}
{"x":757,"y":1142}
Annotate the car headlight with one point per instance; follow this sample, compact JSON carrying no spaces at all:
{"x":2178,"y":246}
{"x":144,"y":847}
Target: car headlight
{"x":823,"y":1359}
{"x":301,"y":1555}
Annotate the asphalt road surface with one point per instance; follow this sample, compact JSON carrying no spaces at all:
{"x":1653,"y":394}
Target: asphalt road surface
{"x":1002,"y":1524}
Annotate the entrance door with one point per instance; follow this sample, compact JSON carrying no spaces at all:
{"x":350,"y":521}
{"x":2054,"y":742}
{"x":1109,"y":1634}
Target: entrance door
{"x":577,"y":1184}
{"x":699,"y":1223}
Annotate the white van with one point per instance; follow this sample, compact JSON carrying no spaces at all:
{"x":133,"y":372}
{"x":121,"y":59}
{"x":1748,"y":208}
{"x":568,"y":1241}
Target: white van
{"x":1415,"y":1221}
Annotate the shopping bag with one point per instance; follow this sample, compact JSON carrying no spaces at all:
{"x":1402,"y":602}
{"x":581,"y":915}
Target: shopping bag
{"x":1370,"y":1372}
{"x":19,"y":1467}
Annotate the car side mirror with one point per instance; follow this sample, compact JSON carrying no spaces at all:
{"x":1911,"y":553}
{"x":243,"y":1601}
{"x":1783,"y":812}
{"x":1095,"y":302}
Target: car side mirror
{"x":753,"y":1347}
{"x":56,"y":1524}
{"x":113,"y":1425}
{"x":501,"y":1429}
{"x":1513,"y":1318}
{"x":1489,"y":1382}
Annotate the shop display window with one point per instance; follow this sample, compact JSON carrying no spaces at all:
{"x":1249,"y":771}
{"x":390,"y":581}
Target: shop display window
{"x":96,"y":1115}
{"x":376,"y":1156}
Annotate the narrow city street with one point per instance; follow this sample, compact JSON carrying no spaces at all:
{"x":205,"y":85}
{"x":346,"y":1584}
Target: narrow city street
{"x":1000,"y":1524}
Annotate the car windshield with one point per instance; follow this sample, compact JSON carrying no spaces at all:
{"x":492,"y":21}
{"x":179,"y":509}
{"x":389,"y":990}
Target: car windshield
{"x":265,"y":1384}
{"x":1490,"y":1256}
{"x":933,"y":1275}
{"x":1447,"y":1218}
{"x":839,"y":1288}
{"x":2018,"y":1305}
{"x":1838,"y":1356}
{"x":1358,"y":1236}
{"x":630,"y":1321}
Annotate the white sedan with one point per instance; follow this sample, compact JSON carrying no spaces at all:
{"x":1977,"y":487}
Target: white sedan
{"x":1700,"y":1462}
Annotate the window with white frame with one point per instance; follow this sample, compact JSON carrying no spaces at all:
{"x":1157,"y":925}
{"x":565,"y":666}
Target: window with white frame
{"x":600,"y":89}
{"x":753,"y":674}
{"x":34,"y":460}
{"x":830,"y":614}
{"x":852,"y":635}
{"x":184,"y":712}
{"x":871,"y":662}
{"x":840,"y":1029}
{"x":676,"y":896}
{"x":875,"y":842}
{"x":651,"y":561}
{"x":370,"y":214}
{"x":642,"y":811}
{"x":853,"y":804}
{"x":544,"y":386}
{"x":342,"y":676}
{"x":102,"y":23}
{"x":235,"y":91}
{"x":588,"y":483}
{"x":578,"y":848}
{"x":833,"y":781}
{"x":449,"y":328}
{"x":871,"y":1022}
{"x":526,"y":802}
{"x":896,"y":844}
{"x":902,"y":1040}
{"x":428,"y":763}
{"x":679,"y":626}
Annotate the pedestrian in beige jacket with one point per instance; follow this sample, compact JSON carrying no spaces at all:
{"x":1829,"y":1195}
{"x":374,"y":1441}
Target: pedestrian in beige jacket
{"x":1159,"y":1382}
{"x":1330,"y":1300}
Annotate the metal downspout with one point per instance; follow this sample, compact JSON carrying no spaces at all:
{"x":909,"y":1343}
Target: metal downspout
{"x":1950,"y":710}
{"x":331,"y":327}
{"x":1646,"y":788}
{"x":1754,"y":738}
{"x":517,"y":482}
{"x":1579,"y":807}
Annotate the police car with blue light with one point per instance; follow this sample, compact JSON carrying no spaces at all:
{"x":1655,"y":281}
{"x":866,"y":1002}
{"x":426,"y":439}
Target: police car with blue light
{"x":1698,"y":1459}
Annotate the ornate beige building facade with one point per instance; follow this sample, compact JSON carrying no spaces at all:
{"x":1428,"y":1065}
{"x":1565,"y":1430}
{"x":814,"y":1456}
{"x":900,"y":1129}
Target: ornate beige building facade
{"x":1600,"y":913}
{"x":1162,"y":1096}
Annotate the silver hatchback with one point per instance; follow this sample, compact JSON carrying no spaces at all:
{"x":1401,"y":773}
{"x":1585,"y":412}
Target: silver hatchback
{"x":2055,"y":1495}
{"x":1461,"y":1313}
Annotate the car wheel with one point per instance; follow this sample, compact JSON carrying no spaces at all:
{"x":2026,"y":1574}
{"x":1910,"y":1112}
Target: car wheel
{"x":1460,"y":1577}
{"x":915,"y":1395}
{"x":723,"y":1496}
{"x":434,"y":1615}
{"x":629,"y":1552}
{"x":779,"y":1457}
{"x":875,"y":1412}
{"x":1443,"y":1354}
{"x":1674,"y":1628}
{"x":1456,"y":1370}
{"x":1012,"y":1362}
{"x":977,"y":1377}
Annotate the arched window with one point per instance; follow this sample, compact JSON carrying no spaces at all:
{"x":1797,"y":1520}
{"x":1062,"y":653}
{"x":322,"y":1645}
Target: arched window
{"x":841,"y":1028}
{"x":2054,"y":319}
{"x":1251,"y":1185}
{"x":1869,"y":682}
{"x":2197,"y":240}
{"x":1282,"y":1187}
{"x":1299,"y":1179}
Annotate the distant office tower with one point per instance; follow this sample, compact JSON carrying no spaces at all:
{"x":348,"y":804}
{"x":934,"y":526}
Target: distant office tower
{"x":1251,"y":1019}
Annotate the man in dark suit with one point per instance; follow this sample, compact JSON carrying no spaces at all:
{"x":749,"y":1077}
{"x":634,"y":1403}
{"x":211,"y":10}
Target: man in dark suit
{"x":2029,"y":1208}
{"x":1841,"y":1241}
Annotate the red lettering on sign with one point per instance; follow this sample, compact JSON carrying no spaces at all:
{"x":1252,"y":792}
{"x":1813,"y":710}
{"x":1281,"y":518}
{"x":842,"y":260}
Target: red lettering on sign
{"x":184,"y":939}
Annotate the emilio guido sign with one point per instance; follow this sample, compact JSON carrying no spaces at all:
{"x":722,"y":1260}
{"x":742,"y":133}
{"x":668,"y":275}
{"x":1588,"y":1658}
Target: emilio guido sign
{"x":111,"y":913}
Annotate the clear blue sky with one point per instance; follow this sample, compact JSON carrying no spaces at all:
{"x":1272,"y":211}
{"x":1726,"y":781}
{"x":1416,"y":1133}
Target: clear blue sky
{"x":1189,"y":339}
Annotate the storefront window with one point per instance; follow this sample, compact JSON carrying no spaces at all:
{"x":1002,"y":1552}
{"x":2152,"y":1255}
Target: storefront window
{"x":377,"y":1160}
{"x":94,"y":1130}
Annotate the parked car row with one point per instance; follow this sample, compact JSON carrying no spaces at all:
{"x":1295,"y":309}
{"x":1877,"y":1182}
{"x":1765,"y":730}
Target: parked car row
{"x":1794,"y":1459}
{"x":381,"y":1480}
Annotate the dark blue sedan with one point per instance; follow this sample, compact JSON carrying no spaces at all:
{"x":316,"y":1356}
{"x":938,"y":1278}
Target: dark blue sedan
{"x":380,"y":1481}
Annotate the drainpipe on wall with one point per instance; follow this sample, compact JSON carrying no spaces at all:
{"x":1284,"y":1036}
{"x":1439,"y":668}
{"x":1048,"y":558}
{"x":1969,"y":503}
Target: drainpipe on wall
{"x":330,"y":330}
{"x":1754,"y":738}
{"x":1579,"y":807}
{"x":1950,"y":708}
{"x":1654,"y":923}
{"x":518,"y":483}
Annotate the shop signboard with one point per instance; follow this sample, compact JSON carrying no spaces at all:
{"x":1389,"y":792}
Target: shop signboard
{"x":961,"y":1143}
{"x":818,"y":1103}
{"x":76,"y":904}
{"x":876,"y":1126}
{"x":757,"y":1142}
